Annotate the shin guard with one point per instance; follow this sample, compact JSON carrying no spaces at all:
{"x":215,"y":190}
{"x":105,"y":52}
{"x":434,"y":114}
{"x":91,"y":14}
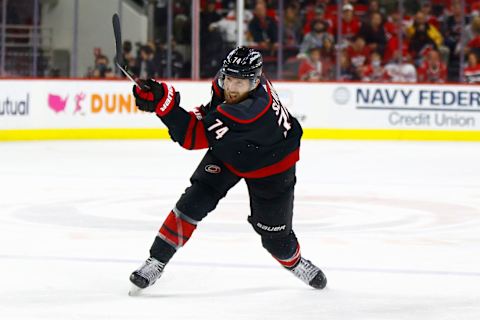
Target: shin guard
{"x":177,"y":229}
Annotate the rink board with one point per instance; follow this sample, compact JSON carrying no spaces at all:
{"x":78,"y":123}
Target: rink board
{"x":89,"y":109}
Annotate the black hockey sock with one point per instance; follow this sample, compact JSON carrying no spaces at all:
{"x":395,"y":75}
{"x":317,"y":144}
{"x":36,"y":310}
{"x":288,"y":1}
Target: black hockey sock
{"x":292,"y":261}
{"x":285,"y":250}
{"x":161,"y":250}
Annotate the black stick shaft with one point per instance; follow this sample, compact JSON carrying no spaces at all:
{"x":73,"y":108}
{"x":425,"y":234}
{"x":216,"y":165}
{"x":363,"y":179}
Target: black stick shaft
{"x":119,"y":61}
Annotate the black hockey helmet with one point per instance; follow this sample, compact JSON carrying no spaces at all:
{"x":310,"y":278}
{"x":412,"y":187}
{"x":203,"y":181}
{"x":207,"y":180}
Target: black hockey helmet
{"x":242,"y":62}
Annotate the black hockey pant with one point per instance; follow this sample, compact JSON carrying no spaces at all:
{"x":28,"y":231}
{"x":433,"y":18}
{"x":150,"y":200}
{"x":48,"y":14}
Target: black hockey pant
{"x":271,"y":210}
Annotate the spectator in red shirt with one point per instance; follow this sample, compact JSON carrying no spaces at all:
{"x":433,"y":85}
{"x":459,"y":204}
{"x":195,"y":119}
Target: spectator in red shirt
{"x":373,"y":71}
{"x":312,"y":68}
{"x":393,"y":46}
{"x":472,"y":70}
{"x":432,"y":70}
{"x":394,"y":23}
{"x":358,"y":52}
{"x":472,"y":35}
{"x":350,"y":24}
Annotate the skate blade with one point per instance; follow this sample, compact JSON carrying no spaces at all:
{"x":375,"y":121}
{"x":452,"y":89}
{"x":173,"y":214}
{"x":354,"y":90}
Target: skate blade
{"x":134,"y":291}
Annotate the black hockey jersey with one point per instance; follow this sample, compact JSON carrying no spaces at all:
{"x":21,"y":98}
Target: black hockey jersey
{"x":255,"y":138}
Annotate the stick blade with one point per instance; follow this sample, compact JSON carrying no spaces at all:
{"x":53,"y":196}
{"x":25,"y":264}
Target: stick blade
{"x":117,"y":31}
{"x":119,"y":61}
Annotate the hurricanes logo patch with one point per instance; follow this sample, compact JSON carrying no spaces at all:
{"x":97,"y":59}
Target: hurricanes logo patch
{"x":212,"y":168}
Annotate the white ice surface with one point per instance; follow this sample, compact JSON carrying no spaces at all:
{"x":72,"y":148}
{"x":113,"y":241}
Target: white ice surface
{"x":394,"y":225}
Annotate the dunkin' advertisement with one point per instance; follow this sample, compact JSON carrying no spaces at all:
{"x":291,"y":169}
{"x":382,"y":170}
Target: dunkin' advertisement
{"x":50,"y":104}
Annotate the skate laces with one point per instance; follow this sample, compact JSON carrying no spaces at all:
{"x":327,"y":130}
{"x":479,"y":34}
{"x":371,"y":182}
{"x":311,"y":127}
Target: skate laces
{"x":305,"y":270}
{"x":151,"y":270}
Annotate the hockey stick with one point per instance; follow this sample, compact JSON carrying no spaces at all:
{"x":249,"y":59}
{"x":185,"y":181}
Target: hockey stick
{"x":119,"y":57}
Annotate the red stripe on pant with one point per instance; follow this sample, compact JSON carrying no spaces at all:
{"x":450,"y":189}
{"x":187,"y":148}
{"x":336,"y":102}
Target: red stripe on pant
{"x":290,"y":262}
{"x":176,"y":230}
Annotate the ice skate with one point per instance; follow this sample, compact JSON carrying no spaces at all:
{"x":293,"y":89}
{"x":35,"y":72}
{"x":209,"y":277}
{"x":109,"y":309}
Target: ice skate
{"x":146,"y":275}
{"x":306,"y":271}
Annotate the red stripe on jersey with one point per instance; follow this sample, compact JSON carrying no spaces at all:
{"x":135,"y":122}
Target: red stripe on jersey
{"x":201,"y":141}
{"x":283,"y":165}
{"x":177,"y":230}
{"x":290,"y":262}
{"x":232,"y":117}
{"x":187,"y":142}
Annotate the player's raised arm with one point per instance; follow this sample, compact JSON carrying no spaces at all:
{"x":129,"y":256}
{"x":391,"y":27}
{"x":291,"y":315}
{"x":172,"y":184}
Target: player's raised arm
{"x":184,"y":127}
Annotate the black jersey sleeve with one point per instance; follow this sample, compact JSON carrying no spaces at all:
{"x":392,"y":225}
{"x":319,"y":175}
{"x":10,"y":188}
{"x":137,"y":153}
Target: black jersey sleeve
{"x":185,"y":129}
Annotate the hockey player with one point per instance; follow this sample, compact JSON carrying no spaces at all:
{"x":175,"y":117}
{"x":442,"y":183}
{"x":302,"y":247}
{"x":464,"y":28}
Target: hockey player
{"x":249,"y":135}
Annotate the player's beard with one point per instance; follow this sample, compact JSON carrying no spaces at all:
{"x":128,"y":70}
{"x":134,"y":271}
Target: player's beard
{"x":235,"y":97}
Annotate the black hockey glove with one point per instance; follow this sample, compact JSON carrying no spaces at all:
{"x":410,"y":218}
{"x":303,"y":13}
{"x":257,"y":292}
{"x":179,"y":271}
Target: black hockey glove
{"x":200,"y":111}
{"x":161,"y":98}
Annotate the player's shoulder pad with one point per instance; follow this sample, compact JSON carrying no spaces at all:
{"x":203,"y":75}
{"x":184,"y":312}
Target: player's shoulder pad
{"x":250,"y":109}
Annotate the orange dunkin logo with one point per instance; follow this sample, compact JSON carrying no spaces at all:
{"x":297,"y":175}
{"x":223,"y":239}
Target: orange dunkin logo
{"x":113,"y":103}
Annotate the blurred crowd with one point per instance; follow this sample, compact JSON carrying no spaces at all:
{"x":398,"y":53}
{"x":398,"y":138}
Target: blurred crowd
{"x":145,"y":60}
{"x":425,"y":45}
{"x":376,"y":42}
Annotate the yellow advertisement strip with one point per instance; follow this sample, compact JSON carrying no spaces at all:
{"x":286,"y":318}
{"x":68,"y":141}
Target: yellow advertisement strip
{"x":336,"y":134}
{"x":386,"y":134}
{"x":81,"y":134}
